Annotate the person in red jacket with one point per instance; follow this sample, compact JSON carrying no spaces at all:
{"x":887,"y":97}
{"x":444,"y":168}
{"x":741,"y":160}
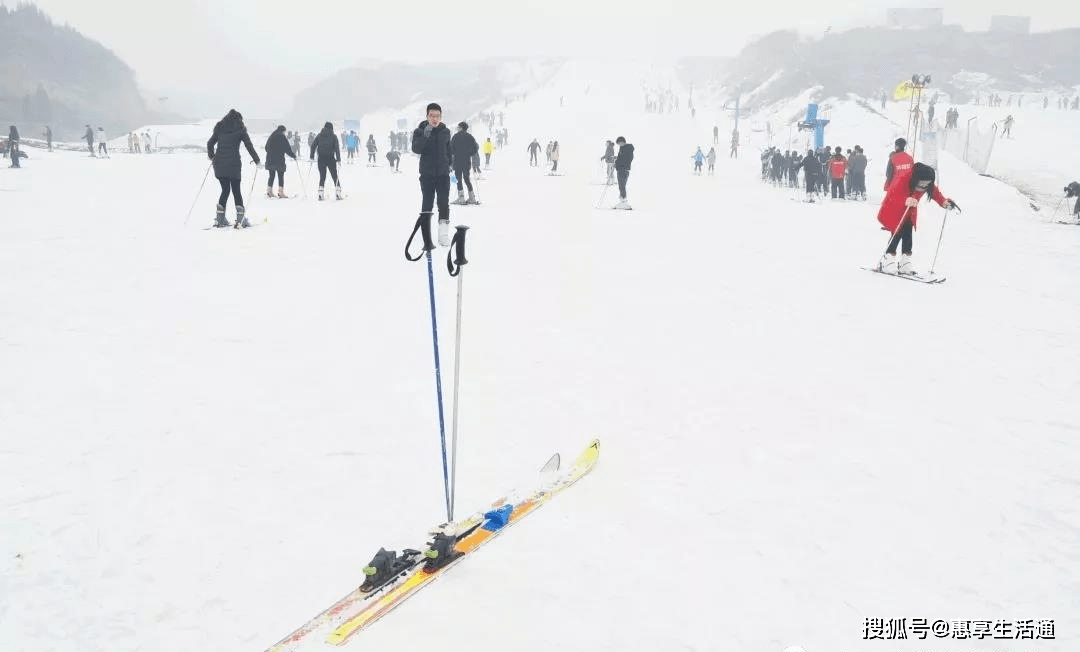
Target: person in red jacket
{"x":898,"y":213}
{"x":899,"y":161}
{"x":837,"y":170}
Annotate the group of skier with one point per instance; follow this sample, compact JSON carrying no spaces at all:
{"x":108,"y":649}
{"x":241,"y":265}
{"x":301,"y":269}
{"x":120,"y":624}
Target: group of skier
{"x":825,"y":171}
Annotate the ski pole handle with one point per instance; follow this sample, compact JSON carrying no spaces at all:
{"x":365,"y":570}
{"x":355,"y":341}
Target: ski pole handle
{"x":423,"y":226}
{"x":455,"y":258}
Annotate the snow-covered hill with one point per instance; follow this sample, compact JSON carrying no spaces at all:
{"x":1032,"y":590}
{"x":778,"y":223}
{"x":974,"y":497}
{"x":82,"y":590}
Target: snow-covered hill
{"x":207,"y":434}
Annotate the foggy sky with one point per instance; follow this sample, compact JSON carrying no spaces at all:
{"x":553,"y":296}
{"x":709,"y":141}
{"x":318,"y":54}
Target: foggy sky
{"x":259,"y":53}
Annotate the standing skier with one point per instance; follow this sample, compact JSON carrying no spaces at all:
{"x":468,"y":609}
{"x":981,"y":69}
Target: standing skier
{"x":715,"y":135}
{"x":48,"y":136}
{"x":811,"y":168}
{"x":899,"y":214}
{"x":352,"y":143}
{"x":857,"y":173}
{"x":554,"y":157}
{"x":1007,"y":131}
{"x":277,"y":148}
{"x":712,"y":160}
{"x":13,"y":147}
{"x":622,"y":170}
{"x":431,"y":140}
{"x":837,"y":170}
{"x":1073,"y":190}
{"x":326,"y":144}
{"x":489,"y":147}
{"x":609,"y":159}
{"x":228,"y":134}
{"x":103,"y":147}
{"x":371,"y":149}
{"x":699,"y":159}
{"x":89,"y":138}
{"x":463,"y":146}
{"x":900,"y":162}
{"x":534,"y":152}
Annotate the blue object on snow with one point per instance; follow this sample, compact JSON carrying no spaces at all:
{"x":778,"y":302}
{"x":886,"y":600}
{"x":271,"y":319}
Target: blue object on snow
{"x":497,"y":518}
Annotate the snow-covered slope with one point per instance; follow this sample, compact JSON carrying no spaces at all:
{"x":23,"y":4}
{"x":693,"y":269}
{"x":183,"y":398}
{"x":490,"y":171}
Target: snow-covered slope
{"x":206,"y":434}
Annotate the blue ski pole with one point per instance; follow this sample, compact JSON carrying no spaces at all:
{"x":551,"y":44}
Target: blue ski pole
{"x":423,"y":226}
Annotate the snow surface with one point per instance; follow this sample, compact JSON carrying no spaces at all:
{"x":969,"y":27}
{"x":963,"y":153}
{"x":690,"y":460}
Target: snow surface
{"x":206,"y":434}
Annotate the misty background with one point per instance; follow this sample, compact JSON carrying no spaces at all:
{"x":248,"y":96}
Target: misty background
{"x":111,"y":64}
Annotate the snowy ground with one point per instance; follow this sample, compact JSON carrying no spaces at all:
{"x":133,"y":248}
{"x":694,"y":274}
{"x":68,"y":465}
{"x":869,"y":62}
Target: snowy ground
{"x":206,"y":434}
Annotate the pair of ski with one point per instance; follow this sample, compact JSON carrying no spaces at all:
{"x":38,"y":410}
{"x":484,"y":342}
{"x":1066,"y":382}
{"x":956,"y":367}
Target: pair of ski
{"x":452,"y":543}
{"x":918,"y":278}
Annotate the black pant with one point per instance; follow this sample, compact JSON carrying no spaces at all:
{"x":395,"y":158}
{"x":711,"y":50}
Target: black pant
{"x":532,"y":158}
{"x":623,"y":175}
{"x":430,"y":186}
{"x":811,"y":184}
{"x":462,"y":174}
{"x":858,"y":182}
{"x":905,"y":236}
{"x":226,"y":186}
{"x":837,"y":188}
{"x":13,"y":153}
{"x":324,"y":165}
{"x":280,"y":176}
{"x":487,"y":158}
{"x":90,"y":144}
{"x":555,"y":165}
{"x":371,"y":157}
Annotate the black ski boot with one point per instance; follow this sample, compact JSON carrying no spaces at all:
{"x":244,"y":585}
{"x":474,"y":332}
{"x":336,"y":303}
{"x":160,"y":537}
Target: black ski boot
{"x":385,"y":566}
{"x":219,"y":219}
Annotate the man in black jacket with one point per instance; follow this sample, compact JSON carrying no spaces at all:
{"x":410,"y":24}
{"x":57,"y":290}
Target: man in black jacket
{"x":326,"y":143}
{"x":463,"y":146}
{"x":1073,"y":190}
{"x":622,"y":170}
{"x":13,"y":146}
{"x":431,"y":140}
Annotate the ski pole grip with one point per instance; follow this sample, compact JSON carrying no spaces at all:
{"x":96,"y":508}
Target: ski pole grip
{"x":423,"y":227}
{"x":455,"y":258}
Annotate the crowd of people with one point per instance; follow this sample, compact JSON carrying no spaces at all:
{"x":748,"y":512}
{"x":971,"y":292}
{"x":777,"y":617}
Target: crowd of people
{"x":825,"y":172}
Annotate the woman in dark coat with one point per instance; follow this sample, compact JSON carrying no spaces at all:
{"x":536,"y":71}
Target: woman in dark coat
{"x":13,"y":146}
{"x":277,"y":148}
{"x":326,"y":144}
{"x":227,"y":137}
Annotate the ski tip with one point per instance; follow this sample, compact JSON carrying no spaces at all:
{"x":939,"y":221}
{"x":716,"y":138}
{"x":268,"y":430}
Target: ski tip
{"x":552,"y":465}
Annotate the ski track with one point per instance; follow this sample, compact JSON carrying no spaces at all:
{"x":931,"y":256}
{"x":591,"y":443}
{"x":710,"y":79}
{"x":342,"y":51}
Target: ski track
{"x":207,"y":434}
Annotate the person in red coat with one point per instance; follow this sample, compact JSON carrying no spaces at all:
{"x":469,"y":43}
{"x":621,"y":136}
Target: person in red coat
{"x":899,"y":161}
{"x":899,"y":213}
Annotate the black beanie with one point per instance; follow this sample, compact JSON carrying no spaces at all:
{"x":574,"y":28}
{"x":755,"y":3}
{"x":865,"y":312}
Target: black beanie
{"x":900,"y":144}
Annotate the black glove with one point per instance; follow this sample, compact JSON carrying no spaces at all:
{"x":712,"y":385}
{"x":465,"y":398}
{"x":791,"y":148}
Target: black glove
{"x":950,"y":204}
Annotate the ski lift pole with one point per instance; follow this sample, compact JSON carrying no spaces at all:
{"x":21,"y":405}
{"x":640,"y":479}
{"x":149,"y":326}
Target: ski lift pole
{"x":423,"y":227}
{"x":455,"y":265}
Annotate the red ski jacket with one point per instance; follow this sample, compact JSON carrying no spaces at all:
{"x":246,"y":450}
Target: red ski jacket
{"x":893,"y":207}
{"x":837,"y":167}
{"x":898,"y":162}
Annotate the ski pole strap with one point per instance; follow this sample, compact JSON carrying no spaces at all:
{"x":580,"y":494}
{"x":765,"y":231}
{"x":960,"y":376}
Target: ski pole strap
{"x":423,"y":226}
{"x":455,"y":258}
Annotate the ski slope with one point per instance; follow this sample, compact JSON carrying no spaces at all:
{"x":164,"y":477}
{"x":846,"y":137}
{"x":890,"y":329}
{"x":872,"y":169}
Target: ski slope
{"x":207,"y":434}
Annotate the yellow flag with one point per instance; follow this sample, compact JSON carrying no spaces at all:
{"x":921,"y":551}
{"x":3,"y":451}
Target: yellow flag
{"x":903,"y":91}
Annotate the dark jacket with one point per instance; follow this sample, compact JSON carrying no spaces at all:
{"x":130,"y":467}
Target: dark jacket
{"x":228,"y":135}
{"x":625,"y":157}
{"x":277,"y":148}
{"x":434,"y":150}
{"x":326,"y":144}
{"x":13,"y":134}
{"x":89,"y":135}
{"x":463,"y":146}
{"x":371,"y":144}
{"x":857,"y":163}
{"x":811,"y":166}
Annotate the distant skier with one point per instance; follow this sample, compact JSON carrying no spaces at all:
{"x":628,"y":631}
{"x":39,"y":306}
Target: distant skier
{"x":712,"y":160}
{"x":48,"y":136}
{"x":837,"y":171}
{"x":352,"y":143}
{"x":476,"y":164}
{"x":555,"y":157}
{"x":1007,"y":131}
{"x":102,"y":141}
{"x":812,"y":172}
{"x":489,"y":147}
{"x":715,"y":135}
{"x":277,"y":148}
{"x":899,"y":161}
{"x":13,"y":147}
{"x":310,"y":138}
{"x":622,"y":170}
{"x":431,"y":140}
{"x":296,"y":143}
{"x":228,"y":134}
{"x":899,"y":214}
{"x":734,"y":144}
{"x":147,"y":141}
{"x":393,"y":158}
{"x":372,"y":149}
{"x":89,"y":138}
{"x":326,"y":145}
{"x":534,"y":153}
{"x":609,"y":159}
{"x":857,"y":173}
{"x":463,"y":146}
{"x":699,"y":158}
